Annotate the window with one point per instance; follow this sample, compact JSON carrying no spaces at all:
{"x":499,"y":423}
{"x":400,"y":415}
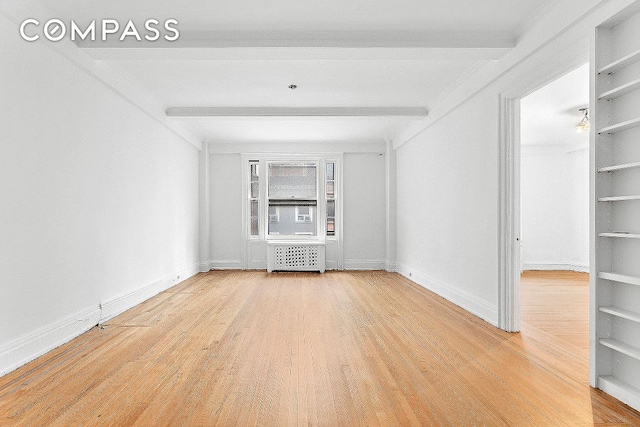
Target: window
{"x":254,"y":198}
{"x":293,"y":198}
{"x":330,"y":184}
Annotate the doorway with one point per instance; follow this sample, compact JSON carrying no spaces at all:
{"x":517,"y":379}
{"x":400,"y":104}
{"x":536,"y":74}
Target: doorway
{"x":544,"y":182}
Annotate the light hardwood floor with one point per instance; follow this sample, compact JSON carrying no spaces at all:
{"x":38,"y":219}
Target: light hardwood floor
{"x":342,"y":348}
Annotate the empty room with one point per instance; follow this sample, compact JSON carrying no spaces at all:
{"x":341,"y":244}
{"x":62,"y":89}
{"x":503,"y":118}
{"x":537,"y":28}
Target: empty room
{"x":296,"y":213}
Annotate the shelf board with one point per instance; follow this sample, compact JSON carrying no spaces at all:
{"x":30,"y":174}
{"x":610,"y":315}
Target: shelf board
{"x":622,"y":313}
{"x":621,"y":278}
{"x":621,"y":90}
{"x":621,"y":347}
{"x":619,"y":127}
{"x":620,"y":390}
{"x":619,"y":167}
{"x":620,"y":63}
{"x":621,"y":235}
{"x":618,"y":198}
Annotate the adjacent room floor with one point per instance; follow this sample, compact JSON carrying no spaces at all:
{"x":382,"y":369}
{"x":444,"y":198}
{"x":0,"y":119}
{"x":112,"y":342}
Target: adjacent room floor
{"x":341,"y":348}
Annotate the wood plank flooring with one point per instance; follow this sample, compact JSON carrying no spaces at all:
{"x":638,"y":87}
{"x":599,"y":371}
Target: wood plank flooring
{"x":342,"y":348}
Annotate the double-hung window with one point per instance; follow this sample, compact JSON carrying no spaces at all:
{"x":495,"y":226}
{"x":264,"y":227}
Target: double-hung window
{"x":292,"y":198}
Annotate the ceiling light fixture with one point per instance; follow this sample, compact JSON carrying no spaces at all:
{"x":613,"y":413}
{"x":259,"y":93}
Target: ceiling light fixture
{"x":584,"y":123}
{"x":292,"y":87}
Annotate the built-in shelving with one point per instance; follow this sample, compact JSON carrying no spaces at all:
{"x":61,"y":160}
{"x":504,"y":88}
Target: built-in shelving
{"x":619,"y":167}
{"x":621,"y":90}
{"x":623,"y":235}
{"x":624,"y":391}
{"x":618,"y":198}
{"x":619,"y":127}
{"x":621,"y":278}
{"x":620,"y":63}
{"x":615,"y":112}
{"x":621,"y":347}
{"x":624,"y":314}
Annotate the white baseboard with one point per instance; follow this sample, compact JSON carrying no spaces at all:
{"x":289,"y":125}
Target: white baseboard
{"x":363,"y":264}
{"x":555,"y":266}
{"x":120,"y":304}
{"x":33,"y":345}
{"x":205,"y":266}
{"x":226,"y":265}
{"x":390,"y":266}
{"x":471,"y":303}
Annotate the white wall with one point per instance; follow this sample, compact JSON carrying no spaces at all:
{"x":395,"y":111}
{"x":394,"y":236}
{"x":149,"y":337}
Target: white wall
{"x":447,"y":207}
{"x":364,"y":201}
{"x":364,"y":211}
{"x":447,"y":164}
{"x":555,"y":210}
{"x":226,"y":210}
{"x":98,"y":202}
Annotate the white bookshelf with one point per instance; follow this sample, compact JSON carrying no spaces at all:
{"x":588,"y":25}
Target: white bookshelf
{"x":615,"y":242}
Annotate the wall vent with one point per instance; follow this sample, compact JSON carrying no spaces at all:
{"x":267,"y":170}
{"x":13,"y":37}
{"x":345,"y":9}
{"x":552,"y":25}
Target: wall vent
{"x":296,"y":256}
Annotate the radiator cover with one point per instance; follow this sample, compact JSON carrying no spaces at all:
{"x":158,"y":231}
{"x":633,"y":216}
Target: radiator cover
{"x":296,"y":256}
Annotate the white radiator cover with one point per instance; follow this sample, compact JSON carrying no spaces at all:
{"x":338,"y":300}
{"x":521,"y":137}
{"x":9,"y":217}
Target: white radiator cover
{"x":296,"y":256}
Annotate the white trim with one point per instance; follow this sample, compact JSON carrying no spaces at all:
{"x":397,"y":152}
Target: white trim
{"x":35,"y":344}
{"x":390,"y":266}
{"x":204,"y":207}
{"x":509,"y":216}
{"x":122,"y":303}
{"x":226,"y":264}
{"x":549,"y":266}
{"x":471,"y":303}
{"x":623,"y":392}
{"x":364,"y":264}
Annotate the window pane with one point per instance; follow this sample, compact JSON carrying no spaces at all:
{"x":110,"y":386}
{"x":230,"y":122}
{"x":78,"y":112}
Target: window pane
{"x":331,"y":227}
{"x":254,"y":194}
{"x":330,"y":189}
{"x":254,"y":217}
{"x":292,"y":181}
{"x":331,"y":208}
{"x":330,"y":171}
{"x":293,"y":219}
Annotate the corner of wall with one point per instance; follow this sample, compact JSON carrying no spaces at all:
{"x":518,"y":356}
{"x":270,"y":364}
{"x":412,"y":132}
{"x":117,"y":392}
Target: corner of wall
{"x":477,"y":306}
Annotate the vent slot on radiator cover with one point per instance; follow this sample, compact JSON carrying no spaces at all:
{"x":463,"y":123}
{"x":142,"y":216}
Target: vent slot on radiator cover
{"x":296,"y":256}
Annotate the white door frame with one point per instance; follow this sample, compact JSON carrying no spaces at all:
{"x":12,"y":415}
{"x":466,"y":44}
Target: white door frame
{"x":509,"y":215}
{"x":509,"y":241}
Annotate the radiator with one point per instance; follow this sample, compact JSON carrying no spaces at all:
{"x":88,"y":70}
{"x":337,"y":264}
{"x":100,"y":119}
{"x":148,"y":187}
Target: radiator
{"x":296,"y":256}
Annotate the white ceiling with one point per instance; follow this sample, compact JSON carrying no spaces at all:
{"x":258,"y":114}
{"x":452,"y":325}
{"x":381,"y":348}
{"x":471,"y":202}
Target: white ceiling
{"x":358,"y":53}
{"x":550,"y":114}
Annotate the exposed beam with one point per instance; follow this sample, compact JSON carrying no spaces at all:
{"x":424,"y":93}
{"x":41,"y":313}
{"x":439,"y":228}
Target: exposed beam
{"x":302,"y":45}
{"x":115,"y":53}
{"x":295,"y":112}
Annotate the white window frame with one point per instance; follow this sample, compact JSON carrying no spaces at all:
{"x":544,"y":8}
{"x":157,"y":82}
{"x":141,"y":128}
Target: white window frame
{"x":321,"y":198}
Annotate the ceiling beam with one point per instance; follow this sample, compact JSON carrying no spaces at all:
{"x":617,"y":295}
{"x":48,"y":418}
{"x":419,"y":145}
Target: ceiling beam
{"x":295,"y":54}
{"x":296,"y":112}
{"x":301,"y":45}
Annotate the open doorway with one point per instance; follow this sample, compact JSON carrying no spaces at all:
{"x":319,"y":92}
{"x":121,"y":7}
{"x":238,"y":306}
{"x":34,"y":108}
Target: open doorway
{"x":554,"y":211}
